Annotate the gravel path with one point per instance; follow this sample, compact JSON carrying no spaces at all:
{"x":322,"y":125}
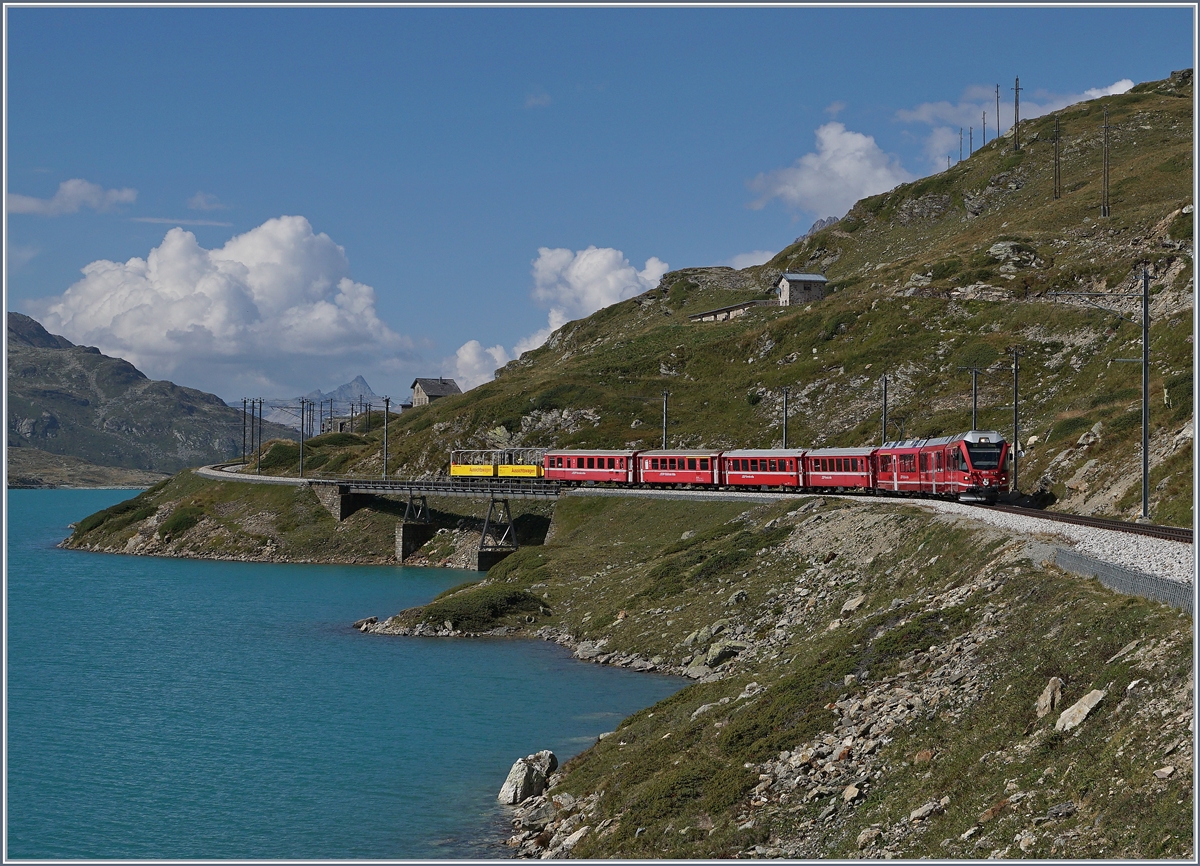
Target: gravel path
{"x":1173,"y":560}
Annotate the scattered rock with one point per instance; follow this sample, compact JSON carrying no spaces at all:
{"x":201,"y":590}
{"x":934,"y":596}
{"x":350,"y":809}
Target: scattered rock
{"x":1050,"y":697}
{"x":867,"y":836}
{"x":1077,"y":712}
{"x":933,"y":807}
{"x":853,"y":604}
{"x":1164,"y":772}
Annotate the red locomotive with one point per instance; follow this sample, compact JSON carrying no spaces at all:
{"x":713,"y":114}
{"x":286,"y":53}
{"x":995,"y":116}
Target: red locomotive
{"x":971,"y":467}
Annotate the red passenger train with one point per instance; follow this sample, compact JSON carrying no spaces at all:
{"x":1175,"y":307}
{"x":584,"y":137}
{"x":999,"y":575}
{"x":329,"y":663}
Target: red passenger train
{"x":971,"y":467}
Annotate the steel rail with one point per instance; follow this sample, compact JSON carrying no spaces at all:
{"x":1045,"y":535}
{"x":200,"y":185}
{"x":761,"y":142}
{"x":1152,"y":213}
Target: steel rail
{"x":1171,"y":533}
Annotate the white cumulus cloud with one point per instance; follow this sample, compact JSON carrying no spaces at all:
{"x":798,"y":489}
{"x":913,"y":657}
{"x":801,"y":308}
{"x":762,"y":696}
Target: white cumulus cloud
{"x":205,"y":201}
{"x":572,"y":284}
{"x":71,"y":196}
{"x":846,"y":167}
{"x":750,"y":259}
{"x":968,"y":112}
{"x":274,"y":307}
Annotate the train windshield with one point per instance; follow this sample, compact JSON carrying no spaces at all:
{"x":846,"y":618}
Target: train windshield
{"x":984,"y":455}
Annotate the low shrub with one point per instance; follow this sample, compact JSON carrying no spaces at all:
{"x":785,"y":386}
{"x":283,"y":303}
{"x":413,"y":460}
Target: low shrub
{"x":180,"y":521}
{"x":483,"y":608}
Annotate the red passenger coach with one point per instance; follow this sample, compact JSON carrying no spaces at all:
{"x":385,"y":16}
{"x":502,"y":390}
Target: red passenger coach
{"x":765,"y":468}
{"x":678,"y":467}
{"x":846,"y":468}
{"x":896,"y":466}
{"x":578,"y":466}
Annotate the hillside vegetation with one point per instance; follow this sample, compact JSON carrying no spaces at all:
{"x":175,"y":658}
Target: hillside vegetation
{"x":952,"y":271}
{"x":868,"y":685}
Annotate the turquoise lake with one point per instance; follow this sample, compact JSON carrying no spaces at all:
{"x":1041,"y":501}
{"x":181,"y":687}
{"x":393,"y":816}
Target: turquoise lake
{"x":171,"y":709}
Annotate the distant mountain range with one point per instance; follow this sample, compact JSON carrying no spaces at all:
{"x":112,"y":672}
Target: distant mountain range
{"x":286,"y":411}
{"x":72,"y":400}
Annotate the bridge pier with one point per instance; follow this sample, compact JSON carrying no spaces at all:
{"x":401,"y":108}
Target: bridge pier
{"x":503,"y":541}
{"x":338,"y":500}
{"x":411,"y":537}
{"x":415,"y":529}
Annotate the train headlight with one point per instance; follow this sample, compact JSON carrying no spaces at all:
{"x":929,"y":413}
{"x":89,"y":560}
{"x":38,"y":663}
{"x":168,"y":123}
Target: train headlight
{"x":986,"y":482}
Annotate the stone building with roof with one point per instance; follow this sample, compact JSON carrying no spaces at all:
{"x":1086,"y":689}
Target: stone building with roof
{"x":425,"y":391}
{"x":800,"y":288}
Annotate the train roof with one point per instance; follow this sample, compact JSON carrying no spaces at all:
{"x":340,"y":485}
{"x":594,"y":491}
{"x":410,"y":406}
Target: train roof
{"x":590,"y":452}
{"x":974,"y":437}
{"x":843,"y":452}
{"x":767,"y":452}
{"x":679,"y":452}
{"x":981,"y":436}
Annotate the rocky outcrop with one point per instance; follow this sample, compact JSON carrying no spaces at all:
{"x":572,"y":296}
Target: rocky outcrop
{"x":527,"y":778}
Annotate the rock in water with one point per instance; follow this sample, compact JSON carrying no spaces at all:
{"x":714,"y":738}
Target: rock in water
{"x":527,"y":778}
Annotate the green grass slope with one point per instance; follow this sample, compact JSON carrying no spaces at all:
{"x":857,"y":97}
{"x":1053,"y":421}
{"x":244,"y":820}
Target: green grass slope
{"x":952,"y":271}
{"x":860,"y":663}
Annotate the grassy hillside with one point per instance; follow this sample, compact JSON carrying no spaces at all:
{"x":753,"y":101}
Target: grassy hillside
{"x":74,"y":401}
{"x":952,"y":271}
{"x":867,"y":686}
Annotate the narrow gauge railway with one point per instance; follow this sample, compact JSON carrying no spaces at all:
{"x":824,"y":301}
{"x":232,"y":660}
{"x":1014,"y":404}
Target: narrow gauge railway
{"x":969,"y":467}
{"x":972,"y":467}
{"x":1171,"y":533}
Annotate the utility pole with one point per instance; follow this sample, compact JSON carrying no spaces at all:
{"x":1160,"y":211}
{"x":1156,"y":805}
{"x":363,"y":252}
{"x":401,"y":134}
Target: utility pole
{"x":664,"y":396}
{"x":974,"y":395}
{"x":785,"y":396}
{"x":261,"y":405}
{"x":386,"y":403}
{"x":243,"y":431}
{"x":1016,"y":443}
{"x":1017,"y":115}
{"x":303,"y":407}
{"x":1144,"y":361}
{"x":1057,"y":172}
{"x":960,"y":144}
{"x":947,"y":162}
{"x":970,"y":140}
{"x":997,"y":111}
{"x":883,"y":432}
{"x":1104,"y":186}
{"x":984,"y":129}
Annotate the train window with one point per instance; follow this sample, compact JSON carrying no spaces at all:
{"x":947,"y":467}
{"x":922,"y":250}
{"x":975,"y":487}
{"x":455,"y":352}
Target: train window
{"x":703,"y":464}
{"x":837,"y":464}
{"x":670,"y":462}
{"x":692,"y":463}
{"x":652,"y":464}
{"x":620,"y":462}
{"x":770,"y":465}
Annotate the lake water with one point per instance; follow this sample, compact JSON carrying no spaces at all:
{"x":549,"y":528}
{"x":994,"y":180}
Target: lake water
{"x":173,"y":709}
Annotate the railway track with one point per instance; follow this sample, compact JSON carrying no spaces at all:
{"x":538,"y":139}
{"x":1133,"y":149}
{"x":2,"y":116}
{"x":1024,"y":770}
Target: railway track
{"x":1171,"y":533}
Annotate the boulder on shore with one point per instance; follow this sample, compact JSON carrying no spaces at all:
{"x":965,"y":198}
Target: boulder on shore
{"x":527,"y":778}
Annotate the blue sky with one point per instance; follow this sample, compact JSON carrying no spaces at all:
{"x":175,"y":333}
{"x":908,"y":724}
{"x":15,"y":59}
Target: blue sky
{"x":404,"y":192}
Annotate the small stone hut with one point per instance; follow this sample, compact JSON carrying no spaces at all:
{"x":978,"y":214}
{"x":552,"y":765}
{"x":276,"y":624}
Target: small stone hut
{"x":800,"y":288}
{"x":425,"y":391}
